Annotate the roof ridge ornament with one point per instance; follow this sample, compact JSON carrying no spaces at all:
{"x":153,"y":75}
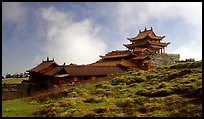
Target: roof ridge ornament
{"x":151,"y":29}
{"x":145,"y":29}
{"x":140,"y":31}
{"x":64,"y":64}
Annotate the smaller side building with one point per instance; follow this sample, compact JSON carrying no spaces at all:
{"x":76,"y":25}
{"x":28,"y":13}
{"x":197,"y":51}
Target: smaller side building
{"x":37,"y":73}
{"x":50,"y":72}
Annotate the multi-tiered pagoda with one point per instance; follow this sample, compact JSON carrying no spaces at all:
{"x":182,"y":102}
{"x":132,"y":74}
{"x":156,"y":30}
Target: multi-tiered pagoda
{"x":147,"y":40}
{"x":138,"y":54}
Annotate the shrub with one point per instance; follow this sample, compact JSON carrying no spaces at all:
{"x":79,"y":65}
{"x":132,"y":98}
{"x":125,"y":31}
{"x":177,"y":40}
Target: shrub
{"x":93,"y":100}
{"x":99,"y":91}
{"x":151,"y":107}
{"x":100,"y":110}
{"x":189,"y":91}
{"x":106,"y":86}
{"x":140,"y":100}
{"x":90,"y":114}
{"x":179,"y":74}
{"x":151,"y":76}
{"x":160,"y":93}
{"x":116,"y":81}
{"x":138,"y":79}
{"x":132,"y":85}
{"x":73,"y":94}
{"x":98,"y":85}
{"x":188,"y":110}
{"x":143,"y":92}
{"x":125,"y":103}
{"x":162,"y":85}
{"x":108,"y":93}
{"x":127,"y":80}
{"x":187,"y":65}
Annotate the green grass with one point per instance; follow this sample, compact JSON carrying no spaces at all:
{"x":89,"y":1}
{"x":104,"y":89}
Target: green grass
{"x":19,"y":108}
{"x":170,"y":91}
{"x":13,"y":80}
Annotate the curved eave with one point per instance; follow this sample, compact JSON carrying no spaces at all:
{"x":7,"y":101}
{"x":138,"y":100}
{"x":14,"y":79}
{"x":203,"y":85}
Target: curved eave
{"x":115,"y":56}
{"x":141,"y":57}
{"x":152,"y":37}
{"x":159,"y":43}
{"x":157,"y":47}
{"x":165,"y":44}
{"x":156,"y":37}
{"x":129,"y":46}
{"x":133,"y":39}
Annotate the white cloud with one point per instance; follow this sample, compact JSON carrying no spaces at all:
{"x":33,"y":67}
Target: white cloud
{"x":186,"y":53}
{"x":164,"y":15}
{"x":142,"y":13}
{"x":13,"y":12}
{"x":69,"y":41}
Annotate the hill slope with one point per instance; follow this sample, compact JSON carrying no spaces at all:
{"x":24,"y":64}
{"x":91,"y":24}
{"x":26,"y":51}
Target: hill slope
{"x":171,"y":91}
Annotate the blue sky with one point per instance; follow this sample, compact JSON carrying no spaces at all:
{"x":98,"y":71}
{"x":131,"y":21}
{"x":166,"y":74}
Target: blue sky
{"x":80,"y":32}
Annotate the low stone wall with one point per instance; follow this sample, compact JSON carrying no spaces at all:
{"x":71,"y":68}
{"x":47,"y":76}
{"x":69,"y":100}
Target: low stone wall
{"x":163,"y":59}
{"x":15,"y":91}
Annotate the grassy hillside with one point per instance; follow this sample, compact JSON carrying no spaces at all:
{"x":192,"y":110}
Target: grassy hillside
{"x":171,"y":91}
{"x":19,"y":108}
{"x":13,"y":80}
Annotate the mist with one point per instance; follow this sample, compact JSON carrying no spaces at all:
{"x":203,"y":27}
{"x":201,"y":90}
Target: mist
{"x":71,"y":41}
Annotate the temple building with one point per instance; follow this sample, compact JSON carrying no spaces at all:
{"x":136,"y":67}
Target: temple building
{"x":141,"y":53}
{"x":145,"y":51}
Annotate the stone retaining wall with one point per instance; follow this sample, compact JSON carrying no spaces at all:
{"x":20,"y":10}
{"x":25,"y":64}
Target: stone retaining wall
{"x":163,"y":59}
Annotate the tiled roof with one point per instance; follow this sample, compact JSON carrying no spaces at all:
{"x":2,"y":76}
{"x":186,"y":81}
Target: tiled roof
{"x":162,"y":44}
{"x":106,"y":63}
{"x":141,"y":35}
{"x":117,"y":54}
{"x":133,"y":45}
{"x":140,"y":57}
{"x":91,"y":70}
{"x":156,"y":37}
{"x":113,"y":63}
{"x":159,"y":43}
{"x":53,"y":71}
{"x":127,"y":63}
{"x":82,"y":70}
{"x":158,"y":47}
{"x":145,"y":33}
{"x":42,"y":66}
